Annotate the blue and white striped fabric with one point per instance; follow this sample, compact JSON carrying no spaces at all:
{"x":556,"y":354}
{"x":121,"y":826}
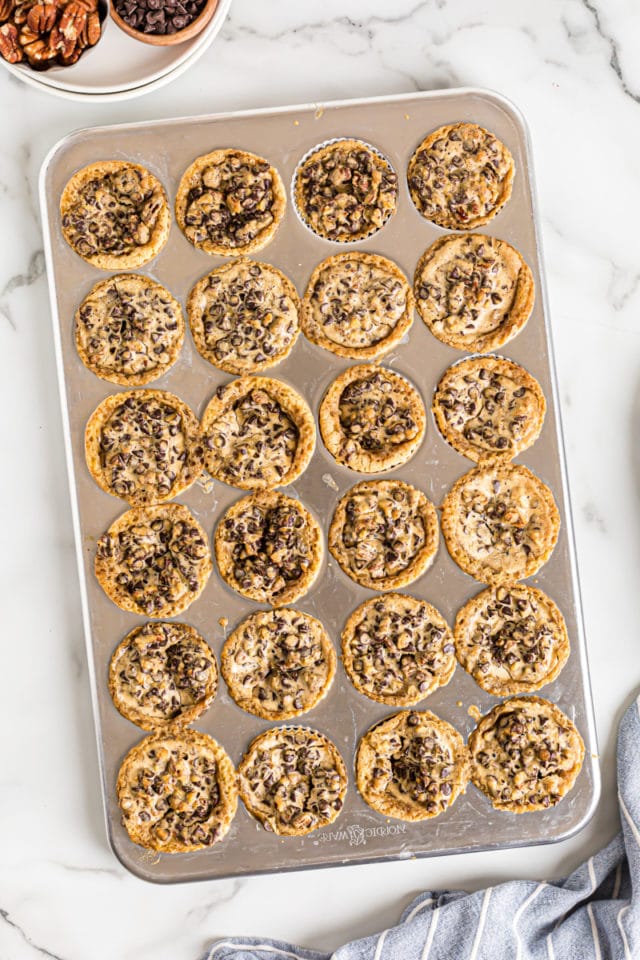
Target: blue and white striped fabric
{"x":594,"y":914}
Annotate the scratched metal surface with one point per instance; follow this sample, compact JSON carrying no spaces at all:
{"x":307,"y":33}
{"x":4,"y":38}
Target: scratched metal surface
{"x":394,"y":125}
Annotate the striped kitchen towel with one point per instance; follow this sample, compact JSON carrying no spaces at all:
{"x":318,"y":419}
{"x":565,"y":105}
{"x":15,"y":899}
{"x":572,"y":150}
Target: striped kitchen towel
{"x":594,"y":914}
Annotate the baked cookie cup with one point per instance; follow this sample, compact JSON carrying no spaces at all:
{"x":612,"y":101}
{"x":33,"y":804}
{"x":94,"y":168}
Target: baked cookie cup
{"x":384,"y":534}
{"x":397,"y":649}
{"x":258,"y":433}
{"x":154,"y":561}
{"x":230,"y":202}
{"x":488,"y":408}
{"x":162,"y":675}
{"x":115,"y":215}
{"x":411,"y":766}
{"x":372,"y":419}
{"x":129,"y":330}
{"x":345,"y":190}
{"x":144,"y":446}
{"x":500,"y":523}
{"x":177,"y":792}
{"x":293,"y":780}
{"x":278,"y":664}
{"x":460,"y":176}
{"x":525,"y":755}
{"x":473,"y":292}
{"x":357,"y":305}
{"x":244,"y":316}
{"x":511,"y":639}
{"x":269,"y":548}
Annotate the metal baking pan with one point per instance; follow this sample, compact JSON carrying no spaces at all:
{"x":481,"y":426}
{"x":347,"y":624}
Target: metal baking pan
{"x":395,"y":125}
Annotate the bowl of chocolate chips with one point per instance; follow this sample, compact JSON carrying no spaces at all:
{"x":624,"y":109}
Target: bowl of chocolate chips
{"x":162,"y":23}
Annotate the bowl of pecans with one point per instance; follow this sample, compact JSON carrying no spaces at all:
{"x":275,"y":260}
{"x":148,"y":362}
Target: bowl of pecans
{"x":74,"y":49}
{"x":162,"y":23}
{"x":50,"y":33}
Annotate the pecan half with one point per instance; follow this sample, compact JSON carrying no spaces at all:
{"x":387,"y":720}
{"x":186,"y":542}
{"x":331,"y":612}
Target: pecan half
{"x":42,"y":17}
{"x":27,"y":36}
{"x":21,"y":12}
{"x":6,"y":9}
{"x":91,"y":31}
{"x":37,"y":52}
{"x":9,"y":47}
{"x":71,"y":24}
{"x":72,"y":57}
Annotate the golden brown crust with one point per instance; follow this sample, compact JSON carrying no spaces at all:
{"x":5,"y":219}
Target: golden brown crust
{"x":243,"y":194}
{"x":154,"y":561}
{"x":473,"y":292}
{"x":345,"y":191}
{"x":269,"y":548}
{"x":488,"y":407}
{"x":511,"y":639}
{"x":411,"y":766}
{"x":460,"y":176}
{"x":278,"y":664}
{"x":129,"y":330}
{"x":500,"y":523}
{"x":525,"y":755}
{"x":258,"y":433}
{"x":397,"y":649}
{"x":162,"y":675}
{"x":177,"y":792}
{"x":293,"y":780}
{"x":144,"y":446}
{"x":342,"y":286}
{"x":253,"y":301}
{"x":384,"y":534}
{"x":94,"y":193}
{"x":372,"y":419}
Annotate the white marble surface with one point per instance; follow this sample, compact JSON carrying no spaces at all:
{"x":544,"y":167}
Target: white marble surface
{"x":571,"y":66}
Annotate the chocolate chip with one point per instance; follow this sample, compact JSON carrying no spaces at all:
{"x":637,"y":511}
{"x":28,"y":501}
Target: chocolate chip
{"x":158,"y":17}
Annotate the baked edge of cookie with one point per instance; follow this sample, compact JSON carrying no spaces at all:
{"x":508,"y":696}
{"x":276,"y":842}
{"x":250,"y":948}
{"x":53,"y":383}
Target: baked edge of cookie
{"x":101,"y":414}
{"x":331,"y":431}
{"x":516,"y":319}
{"x":293,"y":592}
{"x":347,"y":636}
{"x":340,"y":766}
{"x":135,"y":380}
{"x":138,"y":717}
{"x":451,"y":222}
{"x":509,"y":806}
{"x":422,"y":560}
{"x":189,"y":178}
{"x":473,"y":567}
{"x":119,"y":596}
{"x":255,"y":710}
{"x":145,"y":252}
{"x":465,"y":447}
{"x":382,"y":347}
{"x":473,"y":608}
{"x":392,"y":808}
{"x":227,"y":784}
{"x":194,"y":318}
{"x":291,"y":402}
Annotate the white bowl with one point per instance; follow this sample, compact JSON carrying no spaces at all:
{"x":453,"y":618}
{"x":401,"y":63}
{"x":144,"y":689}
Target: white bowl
{"x":119,"y":67}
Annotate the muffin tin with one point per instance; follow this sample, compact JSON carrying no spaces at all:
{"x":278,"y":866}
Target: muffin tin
{"x":395,"y":126}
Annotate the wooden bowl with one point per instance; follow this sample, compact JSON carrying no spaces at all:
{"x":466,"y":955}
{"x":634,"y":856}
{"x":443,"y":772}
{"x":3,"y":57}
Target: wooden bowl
{"x":168,"y":39}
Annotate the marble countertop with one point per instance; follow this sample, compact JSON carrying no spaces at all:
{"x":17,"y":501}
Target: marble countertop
{"x":570,"y":65}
